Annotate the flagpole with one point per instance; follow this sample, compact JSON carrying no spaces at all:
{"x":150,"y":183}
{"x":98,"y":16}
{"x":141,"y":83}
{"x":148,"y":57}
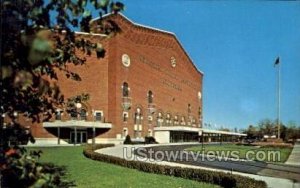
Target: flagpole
{"x":278,"y":105}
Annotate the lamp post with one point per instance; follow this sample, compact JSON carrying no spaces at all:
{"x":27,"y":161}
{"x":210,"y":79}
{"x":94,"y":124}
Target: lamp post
{"x":78,"y":107}
{"x":94,"y":130}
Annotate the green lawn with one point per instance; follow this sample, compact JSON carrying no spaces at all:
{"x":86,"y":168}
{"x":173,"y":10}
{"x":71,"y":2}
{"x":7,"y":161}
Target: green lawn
{"x":242,"y":150}
{"x":89,"y":173}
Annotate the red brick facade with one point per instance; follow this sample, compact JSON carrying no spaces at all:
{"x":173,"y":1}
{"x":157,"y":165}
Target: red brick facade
{"x":151,"y":53}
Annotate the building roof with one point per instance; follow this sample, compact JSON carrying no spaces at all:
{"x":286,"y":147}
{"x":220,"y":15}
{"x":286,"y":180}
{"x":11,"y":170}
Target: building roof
{"x":152,"y":29}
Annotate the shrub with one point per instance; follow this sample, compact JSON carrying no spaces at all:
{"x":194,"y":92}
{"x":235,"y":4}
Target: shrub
{"x":150,"y":140}
{"x":20,"y":168}
{"x":127,"y":140}
{"x":226,"y":180}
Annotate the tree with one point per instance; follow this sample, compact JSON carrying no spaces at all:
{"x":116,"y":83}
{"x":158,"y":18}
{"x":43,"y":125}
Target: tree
{"x":291,"y":131}
{"x":267,"y":127}
{"x":251,"y":132}
{"x":37,"y":40}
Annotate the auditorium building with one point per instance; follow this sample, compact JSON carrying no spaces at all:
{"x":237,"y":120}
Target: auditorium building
{"x":146,"y":85}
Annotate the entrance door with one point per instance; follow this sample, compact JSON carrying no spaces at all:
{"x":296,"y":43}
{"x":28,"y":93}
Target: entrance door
{"x":81,"y":137}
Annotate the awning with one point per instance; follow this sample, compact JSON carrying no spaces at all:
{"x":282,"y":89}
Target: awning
{"x":223,"y":132}
{"x":177,"y":128}
{"x":196,"y":129}
{"x":77,"y":123}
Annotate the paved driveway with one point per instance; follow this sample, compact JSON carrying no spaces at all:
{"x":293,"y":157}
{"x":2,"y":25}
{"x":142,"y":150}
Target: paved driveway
{"x":253,"y":167}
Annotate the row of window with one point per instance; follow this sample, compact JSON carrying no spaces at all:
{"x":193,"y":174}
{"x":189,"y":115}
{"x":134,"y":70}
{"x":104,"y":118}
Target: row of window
{"x":161,"y":121}
{"x":79,"y":114}
{"x":137,"y":133}
{"x":126,"y":89}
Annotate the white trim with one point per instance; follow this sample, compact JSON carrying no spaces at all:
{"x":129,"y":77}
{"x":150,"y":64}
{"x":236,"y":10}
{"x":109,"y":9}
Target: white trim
{"x":176,"y":128}
{"x":194,"y":129}
{"x":76,"y":123}
{"x":47,"y":142}
{"x":107,"y":141}
{"x":94,"y":34}
{"x":86,"y":33}
{"x":97,"y":111}
{"x":148,"y":27}
{"x":223,"y":132}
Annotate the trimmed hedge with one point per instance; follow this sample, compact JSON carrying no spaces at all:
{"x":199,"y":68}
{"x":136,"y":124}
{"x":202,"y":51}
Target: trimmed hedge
{"x":127,"y":140}
{"x":225,"y":180}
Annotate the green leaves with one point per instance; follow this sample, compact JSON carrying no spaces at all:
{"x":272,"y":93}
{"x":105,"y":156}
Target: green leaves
{"x":100,"y":50}
{"x":117,"y":7}
{"x":37,"y":43}
{"x":6,"y":71}
{"x":41,"y":48}
{"x":104,"y":5}
{"x":22,"y":170}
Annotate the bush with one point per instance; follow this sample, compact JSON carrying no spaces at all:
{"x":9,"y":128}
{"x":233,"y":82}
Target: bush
{"x":226,"y":180}
{"x":21,"y":169}
{"x":150,"y":140}
{"x":127,"y":140}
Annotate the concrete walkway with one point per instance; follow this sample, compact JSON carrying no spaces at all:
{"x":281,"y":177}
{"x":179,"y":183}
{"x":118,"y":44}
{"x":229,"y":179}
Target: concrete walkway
{"x":127,"y":152}
{"x":294,"y":158}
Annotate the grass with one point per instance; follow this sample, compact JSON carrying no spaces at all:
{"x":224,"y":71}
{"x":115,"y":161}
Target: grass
{"x":89,"y":173}
{"x":242,"y":151}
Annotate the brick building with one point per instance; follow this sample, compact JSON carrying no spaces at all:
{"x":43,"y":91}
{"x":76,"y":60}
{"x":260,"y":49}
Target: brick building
{"x":146,"y":85}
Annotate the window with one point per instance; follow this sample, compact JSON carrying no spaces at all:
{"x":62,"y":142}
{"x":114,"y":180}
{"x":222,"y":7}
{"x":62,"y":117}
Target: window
{"x":150,"y":118}
{"x":137,"y":131}
{"x":160,"y":119}
{"x":176,"y":120}
{"x":138,"y":116}
{"x":83,"y":114}
{"x":73,"y":114}
{"x":168,"y":120}
{"x":125,"y":116}
{"x":150,"y":132}
{"x":98,"y":115}
{"x":125,"y":89}
{"x":182,"y":120}
{"x":125,"y":132}
{"x":150,"y":97}
{"x":58,"y":114}
{"x":199,"y":111}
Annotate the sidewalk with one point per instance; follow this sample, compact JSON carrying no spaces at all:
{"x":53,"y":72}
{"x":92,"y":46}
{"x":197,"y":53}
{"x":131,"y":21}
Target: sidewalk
{"x":294,"y":158}
{"x":119,"y":151}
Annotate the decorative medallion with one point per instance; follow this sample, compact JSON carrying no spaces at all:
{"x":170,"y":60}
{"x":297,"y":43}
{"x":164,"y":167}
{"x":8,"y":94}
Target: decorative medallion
{"x":199,"y":95}
{"x":173,"y":61}
{"x":125,"y":60}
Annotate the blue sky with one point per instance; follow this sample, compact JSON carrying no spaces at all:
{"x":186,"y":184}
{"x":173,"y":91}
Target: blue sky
{"x":235,"y":44}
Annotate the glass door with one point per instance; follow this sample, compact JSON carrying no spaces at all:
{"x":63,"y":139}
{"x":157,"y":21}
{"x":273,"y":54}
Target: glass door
{"x":81,"y":137}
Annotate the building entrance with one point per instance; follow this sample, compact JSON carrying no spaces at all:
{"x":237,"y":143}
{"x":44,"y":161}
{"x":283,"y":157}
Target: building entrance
{"x":178,"y":136}
{"x":81,"y":137}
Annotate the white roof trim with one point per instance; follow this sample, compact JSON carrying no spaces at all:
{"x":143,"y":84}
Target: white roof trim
{"x":77,"y":123}
{"x":222,"y":132}
{"x":195,"y":129}
{"x":85,"y":33}
{"x":94,"y":34}
{"x":177,"y":128}
{"x":137,"y":24}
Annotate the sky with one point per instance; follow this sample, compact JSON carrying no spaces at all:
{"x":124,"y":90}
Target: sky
{"x":235,"y":44}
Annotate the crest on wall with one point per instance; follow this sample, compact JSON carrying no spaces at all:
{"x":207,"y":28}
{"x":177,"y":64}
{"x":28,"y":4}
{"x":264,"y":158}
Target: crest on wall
{"x":173,"y":61}
{"x":126,"y":60}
